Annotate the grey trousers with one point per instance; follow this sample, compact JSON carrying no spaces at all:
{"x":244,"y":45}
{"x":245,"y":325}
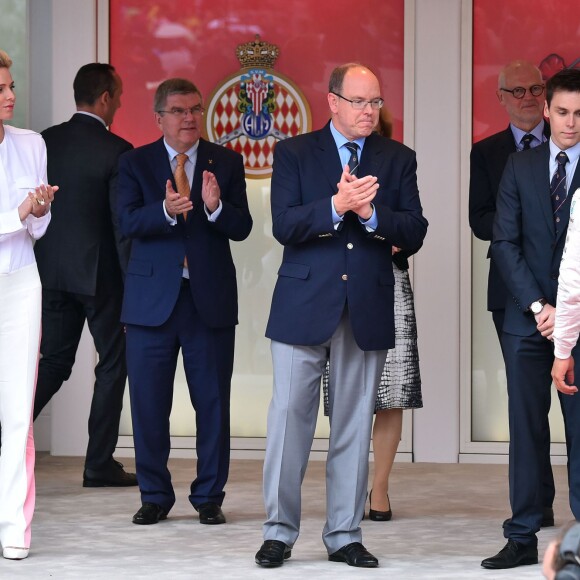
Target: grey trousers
{"x":292,"y":415}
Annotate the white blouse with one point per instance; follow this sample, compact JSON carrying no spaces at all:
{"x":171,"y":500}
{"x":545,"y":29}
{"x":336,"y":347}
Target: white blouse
{"x":22,"y":168}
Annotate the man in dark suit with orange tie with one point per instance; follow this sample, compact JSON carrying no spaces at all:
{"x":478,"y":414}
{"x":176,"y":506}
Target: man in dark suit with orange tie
{"x":521,"y":92}
{"x":181,"y":201}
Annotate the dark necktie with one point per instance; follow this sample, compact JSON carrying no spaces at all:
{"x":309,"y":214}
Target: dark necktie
{"x":558,"y":186}
{"x":353,"y":159}
{"x":527,"y":141}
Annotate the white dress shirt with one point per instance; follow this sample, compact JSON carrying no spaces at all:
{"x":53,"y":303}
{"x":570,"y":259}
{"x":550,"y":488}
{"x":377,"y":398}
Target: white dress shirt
{"x":22,"y":168}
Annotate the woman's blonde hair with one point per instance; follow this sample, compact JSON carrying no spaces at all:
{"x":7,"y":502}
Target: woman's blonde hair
{"x":5,"y":60}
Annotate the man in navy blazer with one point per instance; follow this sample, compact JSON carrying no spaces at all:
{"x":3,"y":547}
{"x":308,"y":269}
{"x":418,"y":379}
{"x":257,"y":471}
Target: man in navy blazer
{"x":181,"y":201}
{"x":528,"y":240}
{"x":337,"y":221}
{"x":527,"y":129}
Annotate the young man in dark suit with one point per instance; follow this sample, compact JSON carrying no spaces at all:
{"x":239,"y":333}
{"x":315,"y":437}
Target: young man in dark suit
{"x":521,"y":92}
{"x":529,"y":233}
{"x":181,"y":201}
{"x":80,"y":260}
{"x":342,"y":196}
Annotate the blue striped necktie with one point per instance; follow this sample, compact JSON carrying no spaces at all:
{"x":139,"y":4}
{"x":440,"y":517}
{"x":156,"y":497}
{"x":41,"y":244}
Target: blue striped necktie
{"x":353,"y":159}
{"x":558,"y":186}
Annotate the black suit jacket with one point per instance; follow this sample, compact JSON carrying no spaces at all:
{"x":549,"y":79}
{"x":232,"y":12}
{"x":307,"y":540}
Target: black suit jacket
{"x":487,"y":163}
{"x":83,"y":237}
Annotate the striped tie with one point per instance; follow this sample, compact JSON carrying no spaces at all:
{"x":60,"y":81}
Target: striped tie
{"x":558,"y":186}
{"x":527,"y":141}
{"x":353,"y":159}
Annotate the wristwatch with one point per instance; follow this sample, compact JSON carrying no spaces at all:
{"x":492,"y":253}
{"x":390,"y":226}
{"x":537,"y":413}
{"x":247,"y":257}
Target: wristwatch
{"x":537,"y":306}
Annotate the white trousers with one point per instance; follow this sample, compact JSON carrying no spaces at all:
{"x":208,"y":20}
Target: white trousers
{"x":20,"y":311}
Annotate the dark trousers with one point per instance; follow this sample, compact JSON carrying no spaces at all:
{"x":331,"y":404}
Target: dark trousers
{"x":63,"y":319}
{"x":208,"y":355}
{"x":546,"y":474}
{"x":529,"y":362}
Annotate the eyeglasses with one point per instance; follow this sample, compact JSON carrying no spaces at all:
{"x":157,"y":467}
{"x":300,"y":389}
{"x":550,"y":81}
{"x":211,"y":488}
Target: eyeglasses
{"x":359,"y":104}
{"x":520,"y":92}
{"x":182,"y":113}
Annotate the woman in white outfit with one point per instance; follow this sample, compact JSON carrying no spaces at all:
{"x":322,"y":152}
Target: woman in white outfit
{"x":24,"y":216}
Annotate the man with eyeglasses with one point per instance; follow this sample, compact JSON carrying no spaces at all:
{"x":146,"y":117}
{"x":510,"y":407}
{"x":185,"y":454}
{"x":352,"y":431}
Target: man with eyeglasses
{"x":181,"y":201}
{"x":342,"y":196}
{"x":521,"y":92}
{"x":529,"y":234}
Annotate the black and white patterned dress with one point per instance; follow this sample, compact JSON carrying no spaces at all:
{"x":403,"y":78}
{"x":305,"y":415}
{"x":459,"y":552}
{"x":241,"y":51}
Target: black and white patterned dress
{"x":400,"y":385}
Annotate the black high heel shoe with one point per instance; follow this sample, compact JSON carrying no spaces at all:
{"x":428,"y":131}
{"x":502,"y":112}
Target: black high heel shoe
{"x":377,"y":516}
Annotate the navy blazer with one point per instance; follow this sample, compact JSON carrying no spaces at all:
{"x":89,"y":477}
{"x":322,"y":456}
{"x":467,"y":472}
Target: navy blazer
{"x":525,"y":245}
{"x":487,"y":162}
{"x":322,"y":268}
{"x":155,"y":268}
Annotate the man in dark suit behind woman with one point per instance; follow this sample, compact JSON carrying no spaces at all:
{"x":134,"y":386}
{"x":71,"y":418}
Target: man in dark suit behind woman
{"x":80,"y":261}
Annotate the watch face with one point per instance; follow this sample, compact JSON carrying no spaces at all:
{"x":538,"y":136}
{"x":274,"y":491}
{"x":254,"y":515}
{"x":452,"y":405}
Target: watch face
{"x":536,"y":307}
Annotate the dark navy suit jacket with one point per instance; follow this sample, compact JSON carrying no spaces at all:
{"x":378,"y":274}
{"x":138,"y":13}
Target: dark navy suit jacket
{"x":488,"y":159}
{"x":525,"y":245}
{"x":155,"y":268}
{"x":323,"y":269}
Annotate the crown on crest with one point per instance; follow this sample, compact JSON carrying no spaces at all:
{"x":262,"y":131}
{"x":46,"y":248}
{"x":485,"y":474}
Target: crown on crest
{"x":257,"y":54}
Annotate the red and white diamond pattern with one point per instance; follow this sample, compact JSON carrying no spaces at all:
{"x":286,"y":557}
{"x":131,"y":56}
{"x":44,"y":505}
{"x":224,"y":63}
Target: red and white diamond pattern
{"x":258,"y":154}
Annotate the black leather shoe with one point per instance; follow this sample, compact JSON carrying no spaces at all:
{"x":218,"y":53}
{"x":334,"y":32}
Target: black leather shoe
{"x":547,"y":518}
{"x":210,"y":513}
{"x":377,"y":516}
{"x":149,"y":513}
{"x":111,"y":476}
{"x":355,"y":554}
{"x":272,"y":554}
{"x":513,"y":554}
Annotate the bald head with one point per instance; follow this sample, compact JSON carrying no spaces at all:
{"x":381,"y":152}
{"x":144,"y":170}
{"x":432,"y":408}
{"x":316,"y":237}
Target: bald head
{"x":518,"y":68}
{"x":526,"y":112}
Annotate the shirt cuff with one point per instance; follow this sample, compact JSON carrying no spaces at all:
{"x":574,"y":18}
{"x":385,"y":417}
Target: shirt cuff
{"x":372,"y":223}
{"x":336,"y":219}
{"x":171,"y":221}
{"x":212,"y":217}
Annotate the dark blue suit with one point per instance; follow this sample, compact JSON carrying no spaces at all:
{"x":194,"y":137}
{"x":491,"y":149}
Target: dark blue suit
{"x":165,"y":313}
{"x":487,"y":163}
{"x":527,"y":249}
{"x":322,"y":268}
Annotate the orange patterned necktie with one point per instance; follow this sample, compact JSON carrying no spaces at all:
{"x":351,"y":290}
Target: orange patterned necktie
{"x":181,"y":180}
{"x":182,"y":184}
